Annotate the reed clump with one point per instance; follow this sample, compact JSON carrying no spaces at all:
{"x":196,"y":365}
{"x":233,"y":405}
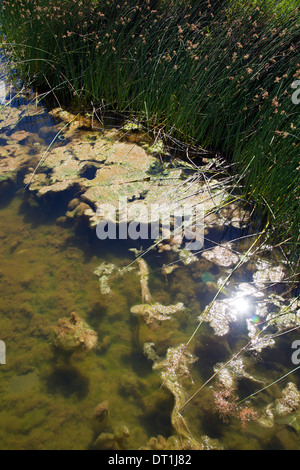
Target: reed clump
{"x":214,"y":73}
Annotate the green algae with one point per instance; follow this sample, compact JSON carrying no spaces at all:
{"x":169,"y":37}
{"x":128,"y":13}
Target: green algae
{"x":26,"y":332}
{"x":22,"y":383}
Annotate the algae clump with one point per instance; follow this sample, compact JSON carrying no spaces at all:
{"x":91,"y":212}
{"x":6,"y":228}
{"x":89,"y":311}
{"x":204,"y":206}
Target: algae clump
{"x":72,"y":334}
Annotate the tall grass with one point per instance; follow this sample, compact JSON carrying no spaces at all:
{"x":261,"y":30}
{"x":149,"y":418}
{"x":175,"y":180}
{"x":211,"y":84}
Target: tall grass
{"x":214,"y":73}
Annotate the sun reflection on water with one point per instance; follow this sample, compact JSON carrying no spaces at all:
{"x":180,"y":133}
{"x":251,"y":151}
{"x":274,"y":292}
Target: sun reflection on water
{"x":241,"y":304}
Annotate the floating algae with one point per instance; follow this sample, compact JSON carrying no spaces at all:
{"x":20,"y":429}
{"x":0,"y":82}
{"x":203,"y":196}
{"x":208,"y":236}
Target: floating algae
{"x":267,"y":273}
{"x":105,"y":271}
{"x":223,"y":255}
{"x":144,"y":277}
{"x":230,"y":375}
{"x":284,"y":410}
{"x":168,"y":269}
{"x":152,"y":313}
{"x":280,"y":313}
{"x":290,"y":400}
{"x":174,"y":371}
{"x":219,"y":315}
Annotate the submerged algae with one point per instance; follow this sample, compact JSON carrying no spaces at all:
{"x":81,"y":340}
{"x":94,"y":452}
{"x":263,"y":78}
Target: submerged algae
{"x":176,"y":377}
{"x":174,"y":370}
{"x":72,"y":334}
{"x":144,"y":276}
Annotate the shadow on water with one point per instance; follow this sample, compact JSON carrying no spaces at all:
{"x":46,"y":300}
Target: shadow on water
{"x":210,"y":350}
{"x":157,"y":416}
{"x":7,"y":193}
{"x":94,"y":247}
{"x":141,"y":366}
{"x":67,"y":381}
{"x":46,"y":210}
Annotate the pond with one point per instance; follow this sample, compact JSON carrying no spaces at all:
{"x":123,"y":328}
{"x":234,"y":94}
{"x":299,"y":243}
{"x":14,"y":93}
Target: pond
{"x":130,"y":362}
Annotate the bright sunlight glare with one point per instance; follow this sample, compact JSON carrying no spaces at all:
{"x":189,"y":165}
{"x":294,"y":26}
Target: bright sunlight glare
{"x":240,"y":304}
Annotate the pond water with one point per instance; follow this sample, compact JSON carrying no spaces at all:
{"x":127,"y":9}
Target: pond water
{"x":133,"y":389}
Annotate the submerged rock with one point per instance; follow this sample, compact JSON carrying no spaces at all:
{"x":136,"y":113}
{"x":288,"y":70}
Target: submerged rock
{"x":74,"y":334}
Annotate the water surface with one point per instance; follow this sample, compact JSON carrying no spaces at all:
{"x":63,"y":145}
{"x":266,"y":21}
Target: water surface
{"x":47,"y":266}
